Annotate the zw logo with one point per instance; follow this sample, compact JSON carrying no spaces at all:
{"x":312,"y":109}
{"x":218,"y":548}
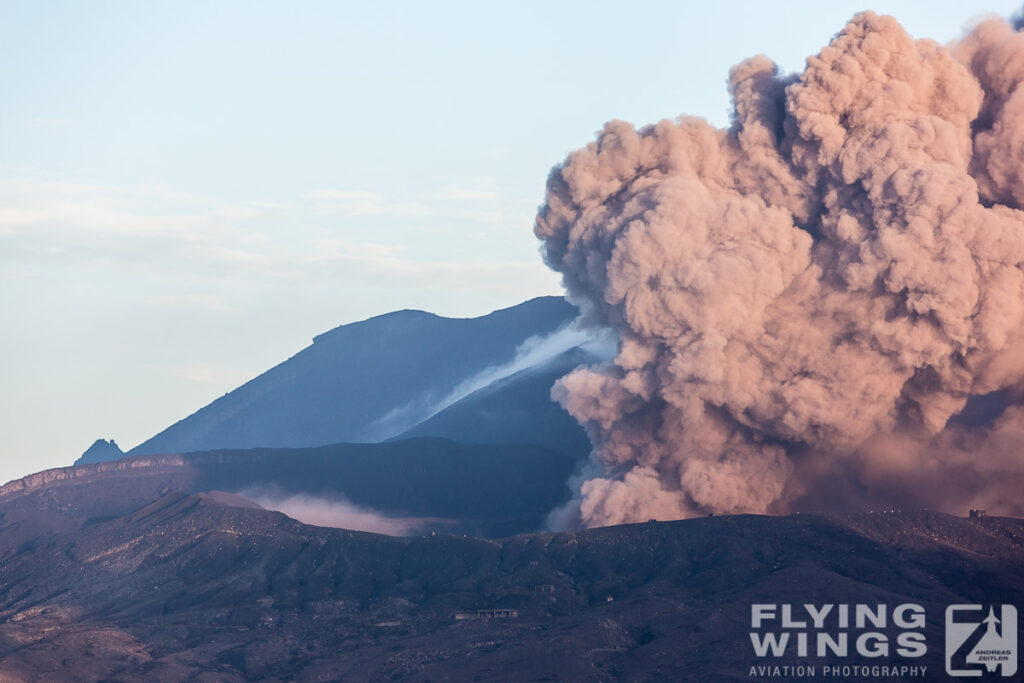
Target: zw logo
{"x":976,"y":642}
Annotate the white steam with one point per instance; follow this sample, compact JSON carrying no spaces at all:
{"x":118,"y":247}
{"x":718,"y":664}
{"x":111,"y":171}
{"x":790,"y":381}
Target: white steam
{"x":336,"y":512}
{"x":533,"y":352}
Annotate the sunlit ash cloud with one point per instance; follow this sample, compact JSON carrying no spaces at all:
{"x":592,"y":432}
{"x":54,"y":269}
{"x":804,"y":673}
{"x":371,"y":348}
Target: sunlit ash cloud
{"x":808,"y":300}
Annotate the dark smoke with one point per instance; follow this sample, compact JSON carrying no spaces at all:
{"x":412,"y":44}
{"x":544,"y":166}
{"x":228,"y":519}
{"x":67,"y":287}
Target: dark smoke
{"x":806,"y":299}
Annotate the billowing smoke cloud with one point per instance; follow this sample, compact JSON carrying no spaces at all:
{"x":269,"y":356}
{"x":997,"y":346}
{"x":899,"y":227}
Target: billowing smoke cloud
{"x":807,"y":300}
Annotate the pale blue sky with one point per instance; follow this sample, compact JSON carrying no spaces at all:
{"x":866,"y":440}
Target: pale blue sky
{"x":190,"y":191}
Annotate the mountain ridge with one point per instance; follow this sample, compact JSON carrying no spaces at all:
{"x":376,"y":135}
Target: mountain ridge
{"x":432,"y":482}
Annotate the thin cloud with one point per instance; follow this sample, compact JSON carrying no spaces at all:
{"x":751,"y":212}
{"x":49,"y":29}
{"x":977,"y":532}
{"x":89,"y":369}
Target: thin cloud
{"x":463,"y":193}
{"x":364,"y":203}
{"x":191,"y":240}
{"x":345,"y":196}
{"x":207,"y":302}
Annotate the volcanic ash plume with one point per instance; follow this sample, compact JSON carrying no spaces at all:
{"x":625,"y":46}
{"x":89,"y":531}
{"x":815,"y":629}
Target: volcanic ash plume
{"x":808,"y":300}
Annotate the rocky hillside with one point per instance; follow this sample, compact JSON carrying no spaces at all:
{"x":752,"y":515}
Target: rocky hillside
{"x":188,"y":587}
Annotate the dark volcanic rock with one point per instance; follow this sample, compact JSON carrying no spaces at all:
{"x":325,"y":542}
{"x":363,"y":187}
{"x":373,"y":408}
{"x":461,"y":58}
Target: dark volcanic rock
{"x":184,"y":587}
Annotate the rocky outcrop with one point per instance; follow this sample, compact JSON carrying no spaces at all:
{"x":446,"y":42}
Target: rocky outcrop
{"x":81,"y":474}
{"x":101,"y":450}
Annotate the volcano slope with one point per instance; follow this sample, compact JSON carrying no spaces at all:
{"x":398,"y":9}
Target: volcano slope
{"x":365,"y":381}
{"x":187,"y":588}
